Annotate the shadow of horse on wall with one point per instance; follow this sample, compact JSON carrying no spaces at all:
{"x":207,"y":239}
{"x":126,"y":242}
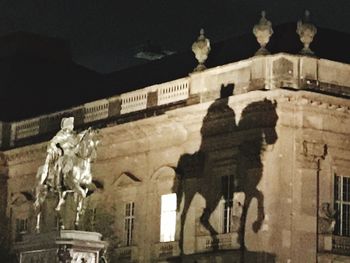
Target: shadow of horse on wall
{"x":231,"y":152}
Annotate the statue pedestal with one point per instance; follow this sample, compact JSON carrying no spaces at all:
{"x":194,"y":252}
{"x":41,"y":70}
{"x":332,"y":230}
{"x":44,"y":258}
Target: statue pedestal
{"x":64,"y":246}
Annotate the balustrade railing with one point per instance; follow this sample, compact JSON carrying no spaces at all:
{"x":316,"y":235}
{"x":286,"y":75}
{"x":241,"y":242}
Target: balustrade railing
{"x":168,"y":92}
{"x":134,"y":101}
{"x":96,"y":110}
{"x":221,"y":241}
{"x":25,"y":129}
{"x":173,"y":91}
{"x":126,"y":253}
{"x":167,"y":249}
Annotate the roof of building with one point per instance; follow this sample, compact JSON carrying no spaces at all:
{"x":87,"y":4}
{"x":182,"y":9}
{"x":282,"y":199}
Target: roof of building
{"x":38,"y":75}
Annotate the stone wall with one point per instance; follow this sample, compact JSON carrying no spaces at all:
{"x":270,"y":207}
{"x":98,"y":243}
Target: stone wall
{"x":280,"y":148}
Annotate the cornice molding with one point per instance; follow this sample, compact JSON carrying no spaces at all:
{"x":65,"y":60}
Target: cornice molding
{"x":145,"y":127}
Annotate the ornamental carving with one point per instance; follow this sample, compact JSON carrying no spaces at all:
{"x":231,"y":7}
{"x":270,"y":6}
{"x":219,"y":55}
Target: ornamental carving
{"x":326,"y":220}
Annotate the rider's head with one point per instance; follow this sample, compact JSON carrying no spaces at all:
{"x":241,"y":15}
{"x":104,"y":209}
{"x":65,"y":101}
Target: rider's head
{"x":67,"y":123}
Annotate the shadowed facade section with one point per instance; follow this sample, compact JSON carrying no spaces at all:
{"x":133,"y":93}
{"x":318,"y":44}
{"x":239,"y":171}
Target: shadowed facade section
{"x":227,"y":163}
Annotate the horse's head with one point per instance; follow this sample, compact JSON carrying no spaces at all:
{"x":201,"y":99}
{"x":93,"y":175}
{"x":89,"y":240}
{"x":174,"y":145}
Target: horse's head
{"x":270,"y":117}
{"x":88,"y":144}
{"x":262,"y":116}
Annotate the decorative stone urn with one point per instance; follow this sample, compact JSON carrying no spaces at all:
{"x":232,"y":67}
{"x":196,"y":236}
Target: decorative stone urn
{"x":263,"y":31}
{"x":306,"y":32}
{"x":201,"y":49}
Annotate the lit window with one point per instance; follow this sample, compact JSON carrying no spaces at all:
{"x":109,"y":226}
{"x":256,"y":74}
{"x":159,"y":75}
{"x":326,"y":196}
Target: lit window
{"x":342,"y":205}
{"x":129,"y":223}
{"x":168,"y":218}
{"x":226,"y":210}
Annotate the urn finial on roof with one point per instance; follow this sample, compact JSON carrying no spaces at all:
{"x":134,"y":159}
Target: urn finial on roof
{"x":201,"y":49}
{"x":263,"y":31}
{"x":306,"y":32}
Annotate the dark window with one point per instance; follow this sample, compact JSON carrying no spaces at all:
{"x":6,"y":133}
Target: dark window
{"x":21,"y":228}
{"x":342,"y":205}
{"x":129,"y":223}
{"x":226,"y":211}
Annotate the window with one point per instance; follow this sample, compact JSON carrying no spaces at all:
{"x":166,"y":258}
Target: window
{"x":226,"y":210}
{"x":168,"y":218}
{"x":129,"y":223}
{"x":342,"y":205}
{"x":21,"y":228}
{"x":226,"y":217}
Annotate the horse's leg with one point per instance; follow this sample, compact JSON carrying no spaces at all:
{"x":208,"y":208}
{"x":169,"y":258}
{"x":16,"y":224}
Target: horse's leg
{"x":61,"y":200}
{"x":37,"y":209}
{"x":261,"y":212}
{"x":40,"y":198}
{"x":37,"y":226}
{"x":204,"y":219}
{"x":80,"y":200}
{"x":188,"y":199}
{"x":59,"y":220}
{"x":241,"y":231}
{"x":76,"y":181}
{"x":79,"y":195}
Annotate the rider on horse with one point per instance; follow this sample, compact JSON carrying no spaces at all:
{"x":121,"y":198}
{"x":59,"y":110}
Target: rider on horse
{"x":67,"y":168}
{"x":60,"y":154}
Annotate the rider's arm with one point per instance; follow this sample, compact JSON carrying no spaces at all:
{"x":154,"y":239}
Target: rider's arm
{"x":53,"y":146}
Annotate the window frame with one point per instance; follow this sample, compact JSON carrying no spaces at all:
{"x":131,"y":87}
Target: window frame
{"x":226,"y":204}
{"x":129,"y":223}
{"x":21,"y":228}
{"x":340,"y":203}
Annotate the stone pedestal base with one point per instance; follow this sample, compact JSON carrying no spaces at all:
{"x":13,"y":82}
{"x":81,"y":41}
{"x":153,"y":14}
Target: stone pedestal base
{"x":61,"y":247}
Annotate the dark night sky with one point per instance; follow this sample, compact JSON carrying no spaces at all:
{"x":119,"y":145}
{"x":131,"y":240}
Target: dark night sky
{"x":103,"y":34}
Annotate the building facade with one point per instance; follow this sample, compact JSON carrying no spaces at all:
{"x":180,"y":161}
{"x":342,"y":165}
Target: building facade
{"x":245,"y":162}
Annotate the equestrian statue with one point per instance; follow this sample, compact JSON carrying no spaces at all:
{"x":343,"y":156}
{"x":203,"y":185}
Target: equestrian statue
{"x":67,"y":169}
